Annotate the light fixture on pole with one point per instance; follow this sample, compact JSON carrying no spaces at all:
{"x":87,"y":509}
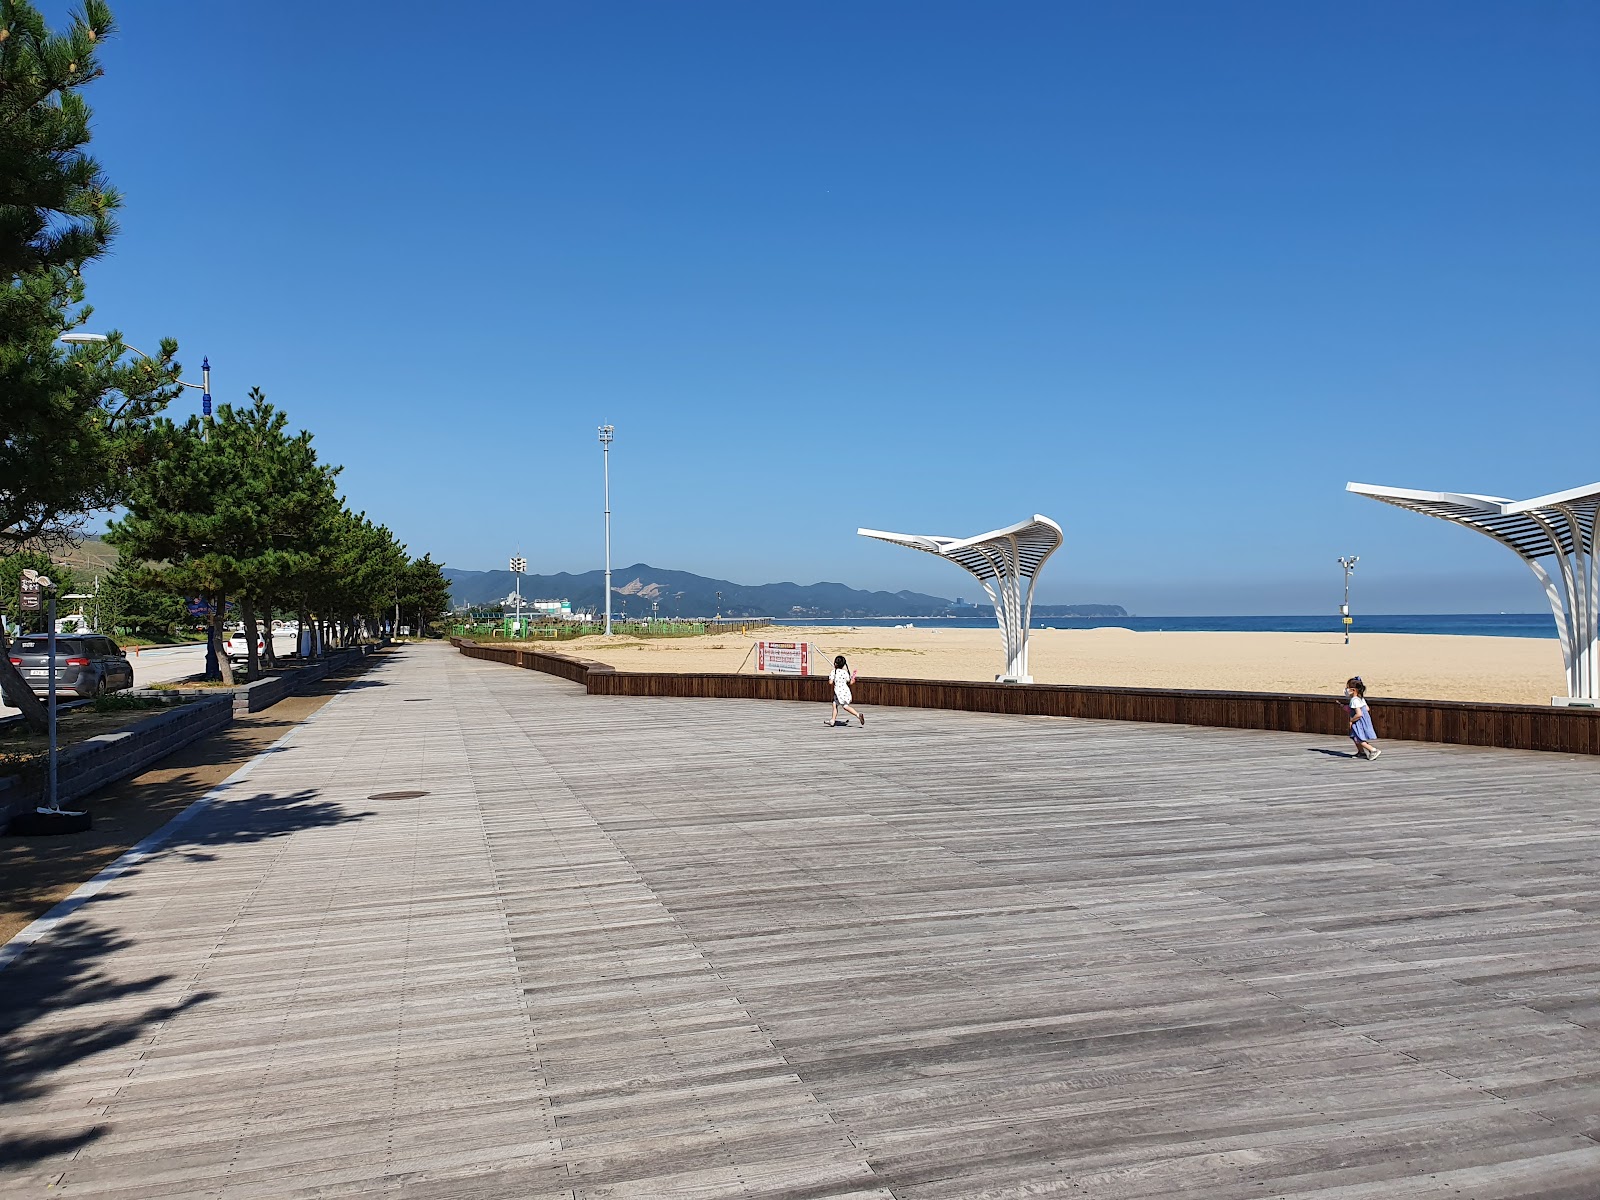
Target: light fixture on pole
{"x":719,"y":606}
{"x":518,"y":566}
{"x":606,"y":432}
{"x":204,"y":388}
{"x":1349,"y":564}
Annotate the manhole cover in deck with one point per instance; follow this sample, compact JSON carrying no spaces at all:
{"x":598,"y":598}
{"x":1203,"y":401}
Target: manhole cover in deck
{"x":397,"y":795}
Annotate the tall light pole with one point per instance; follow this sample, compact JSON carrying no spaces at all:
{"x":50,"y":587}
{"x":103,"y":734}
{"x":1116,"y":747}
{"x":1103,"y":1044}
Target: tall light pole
{"x":606,"y":432}
{"x":518,"y":566}
{"x":204,"y":387}
{"x":719,"y":606}
{"x":213,"y":668}
{"x":1349,"y":564}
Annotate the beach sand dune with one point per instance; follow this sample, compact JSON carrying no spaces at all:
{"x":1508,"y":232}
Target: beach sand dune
{"x":1430,"y":667}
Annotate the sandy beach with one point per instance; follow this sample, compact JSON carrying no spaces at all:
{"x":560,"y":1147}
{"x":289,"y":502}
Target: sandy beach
{"x":1433,"y":667}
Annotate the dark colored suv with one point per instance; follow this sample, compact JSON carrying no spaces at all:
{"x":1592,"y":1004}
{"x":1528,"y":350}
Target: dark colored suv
{"x":86,"y":665}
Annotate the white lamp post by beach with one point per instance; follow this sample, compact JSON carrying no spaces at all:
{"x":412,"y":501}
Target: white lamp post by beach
{"x":518,"y":566}
{"x":606,"y":432}
{"x":1349,"y":564}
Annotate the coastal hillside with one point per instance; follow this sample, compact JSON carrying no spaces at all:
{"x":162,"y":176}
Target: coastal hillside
{"x":651,"y":590}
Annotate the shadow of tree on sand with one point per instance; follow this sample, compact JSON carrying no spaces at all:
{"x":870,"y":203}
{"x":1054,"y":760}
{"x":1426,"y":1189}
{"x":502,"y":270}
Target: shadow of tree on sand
{"x":62,"y":1004}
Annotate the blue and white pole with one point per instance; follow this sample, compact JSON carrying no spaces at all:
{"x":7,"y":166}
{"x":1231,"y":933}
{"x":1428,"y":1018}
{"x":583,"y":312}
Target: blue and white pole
{"x":606,"y":434}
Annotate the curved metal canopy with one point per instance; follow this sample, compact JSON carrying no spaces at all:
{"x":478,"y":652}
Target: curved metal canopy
{"x":1005,"y":563}
{"x":1558,"y":527}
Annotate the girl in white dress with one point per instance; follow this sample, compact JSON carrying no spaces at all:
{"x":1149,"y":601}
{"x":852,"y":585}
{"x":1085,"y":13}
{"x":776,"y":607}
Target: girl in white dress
{"x":842,"y":677}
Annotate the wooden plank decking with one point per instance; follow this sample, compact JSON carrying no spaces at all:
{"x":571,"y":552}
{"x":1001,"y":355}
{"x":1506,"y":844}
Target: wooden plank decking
{"x":675,"y":947}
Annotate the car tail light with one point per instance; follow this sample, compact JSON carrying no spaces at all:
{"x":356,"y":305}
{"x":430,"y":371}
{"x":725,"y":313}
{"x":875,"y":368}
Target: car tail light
{"x":16,"y":662}
{"x":77,"y":662}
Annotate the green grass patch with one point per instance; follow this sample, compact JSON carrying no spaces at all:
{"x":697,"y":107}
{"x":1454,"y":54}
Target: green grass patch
{"x":125,"y":702}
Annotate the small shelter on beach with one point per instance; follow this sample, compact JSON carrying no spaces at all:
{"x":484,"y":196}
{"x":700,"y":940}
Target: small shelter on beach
{"x":1555,"y":536}
{"x":1005,"y":563}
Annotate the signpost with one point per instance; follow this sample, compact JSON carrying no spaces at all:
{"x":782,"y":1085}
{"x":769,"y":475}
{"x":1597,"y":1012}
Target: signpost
{"x":33,"y":590}
{"x":784,"y":658}
{"x":202,"y":608}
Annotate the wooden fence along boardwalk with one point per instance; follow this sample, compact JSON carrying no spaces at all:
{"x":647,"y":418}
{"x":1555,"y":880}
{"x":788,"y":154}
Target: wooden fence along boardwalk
{"x":475,"y":933}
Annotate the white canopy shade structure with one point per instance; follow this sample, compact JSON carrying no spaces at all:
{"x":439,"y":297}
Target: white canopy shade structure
{"x":1555,"y":536}
{"x":1005,"y":562}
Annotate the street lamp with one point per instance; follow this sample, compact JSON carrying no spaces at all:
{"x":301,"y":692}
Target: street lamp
{"x":606,"y":432}
{"x":90,"y":339}
{"x":518,"y":566}
{"x":719,"y":606}
{"x":213,"y":668}
{"x":1349,"y":564}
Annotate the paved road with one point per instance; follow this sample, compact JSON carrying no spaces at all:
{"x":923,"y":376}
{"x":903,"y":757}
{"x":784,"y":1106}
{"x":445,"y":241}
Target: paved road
{"x":174,"y":662}
{"x":473,"y":933}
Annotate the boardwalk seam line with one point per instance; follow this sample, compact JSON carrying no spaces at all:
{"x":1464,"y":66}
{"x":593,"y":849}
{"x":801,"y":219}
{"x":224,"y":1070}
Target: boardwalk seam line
{"x":38,"y":931}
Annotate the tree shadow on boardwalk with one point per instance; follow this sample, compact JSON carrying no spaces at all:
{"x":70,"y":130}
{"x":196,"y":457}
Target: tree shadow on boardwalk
{"x":35,"y":872}
{"x":62,"y":1004}
{"x":40,"y":989}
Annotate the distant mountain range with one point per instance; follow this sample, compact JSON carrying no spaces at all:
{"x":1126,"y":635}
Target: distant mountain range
{"x":651,"y":590}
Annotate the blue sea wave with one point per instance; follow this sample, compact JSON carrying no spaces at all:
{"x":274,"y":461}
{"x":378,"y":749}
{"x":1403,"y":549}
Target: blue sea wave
{"x":1532,"y":625}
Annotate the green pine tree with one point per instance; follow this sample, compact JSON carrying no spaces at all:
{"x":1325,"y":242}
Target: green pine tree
{"x":11,"y":568}
{"x":424,"y":595}
{"x":134,"y":600}
{"x":71,"y":425}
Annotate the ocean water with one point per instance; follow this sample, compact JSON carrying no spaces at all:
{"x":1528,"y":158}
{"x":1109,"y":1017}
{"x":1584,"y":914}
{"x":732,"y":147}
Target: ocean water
{"x":1534,"y":625}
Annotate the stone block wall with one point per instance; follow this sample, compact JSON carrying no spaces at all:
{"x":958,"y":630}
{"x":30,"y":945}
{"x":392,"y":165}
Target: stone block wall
{"x":108,"y":757}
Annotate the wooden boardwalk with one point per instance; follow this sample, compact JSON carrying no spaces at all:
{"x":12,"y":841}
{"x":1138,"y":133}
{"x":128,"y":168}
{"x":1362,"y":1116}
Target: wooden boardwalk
{"x":660,"y":948}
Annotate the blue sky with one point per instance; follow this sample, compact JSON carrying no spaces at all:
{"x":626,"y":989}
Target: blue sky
{"x":1169,"y":273}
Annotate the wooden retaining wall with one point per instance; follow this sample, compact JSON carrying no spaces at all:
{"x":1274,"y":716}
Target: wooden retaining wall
{"x":1506,"y":726}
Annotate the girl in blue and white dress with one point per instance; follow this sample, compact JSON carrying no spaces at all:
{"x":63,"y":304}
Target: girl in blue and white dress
{"x":1361,"y":731}
{"x":842,"y":677}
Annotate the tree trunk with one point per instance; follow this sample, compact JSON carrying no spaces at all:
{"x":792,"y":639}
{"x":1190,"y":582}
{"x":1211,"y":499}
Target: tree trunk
{"x":219,"y":632}
{"x":305,"y":639}
{"x":252,"y":670}
{"x":266,"y":624}
{"x":32,"y":708}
